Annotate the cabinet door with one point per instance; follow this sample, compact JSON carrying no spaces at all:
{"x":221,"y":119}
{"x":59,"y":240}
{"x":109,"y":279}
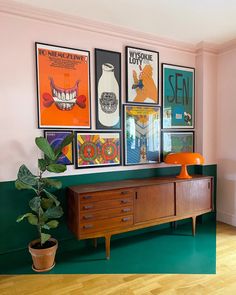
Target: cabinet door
{"x":152,"y":202}
{"x":193,"y":195}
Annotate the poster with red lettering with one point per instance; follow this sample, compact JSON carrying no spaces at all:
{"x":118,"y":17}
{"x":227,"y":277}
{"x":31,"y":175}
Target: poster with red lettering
{"x":63,"y":85}
{"x":178,"y":96}
{"x":142,"y":76}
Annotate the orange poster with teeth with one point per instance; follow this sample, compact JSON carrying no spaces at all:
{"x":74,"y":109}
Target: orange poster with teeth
{"x":63,"y":87}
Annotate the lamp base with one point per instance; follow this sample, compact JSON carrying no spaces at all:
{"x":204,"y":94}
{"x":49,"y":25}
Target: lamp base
{"x":184,"y":173}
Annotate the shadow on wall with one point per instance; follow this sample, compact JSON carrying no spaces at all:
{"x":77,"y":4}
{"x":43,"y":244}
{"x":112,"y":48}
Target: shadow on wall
{"x":226,"y":191}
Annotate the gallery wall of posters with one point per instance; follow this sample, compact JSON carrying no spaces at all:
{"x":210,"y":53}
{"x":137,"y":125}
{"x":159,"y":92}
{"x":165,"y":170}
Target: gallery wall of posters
{"x":98,"y":149}
{"x":55,"y":138}
{"x":141,"y":134}
{"x":63,"y":83}
{"x":178,"y":96}
{"x":142,"y":76}
{"x":63,"y":101}
{"x":108,"y":89}
{"x":177,"y":141}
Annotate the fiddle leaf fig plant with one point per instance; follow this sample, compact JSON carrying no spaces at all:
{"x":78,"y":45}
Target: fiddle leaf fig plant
{"x":45,"y":207}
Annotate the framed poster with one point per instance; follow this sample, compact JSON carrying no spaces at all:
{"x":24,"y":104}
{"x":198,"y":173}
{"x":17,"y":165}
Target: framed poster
{"x":63,"y":86}
{"x":177,"y":141}
{"x":98,"y":149}
{"x":108,"y":89}
{"x":142,"y":76}
{"x":55,"y":137}
{"x":178,"y":96}
{"x":142,"y":134}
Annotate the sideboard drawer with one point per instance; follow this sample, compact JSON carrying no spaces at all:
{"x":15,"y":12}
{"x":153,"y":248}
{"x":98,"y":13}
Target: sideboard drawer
{"x":91,"y":206}
{"x":108,"y":213}
{"x":105,"y":195}
{"x":106,"y":224}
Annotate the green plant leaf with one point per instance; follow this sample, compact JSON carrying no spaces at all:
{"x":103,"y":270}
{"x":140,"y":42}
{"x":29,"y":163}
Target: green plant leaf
{"x":21,"y":185}
{"x":54,"y":212}
{"x":45,"y":147}
{"x":24,"y":175}
{"x":46,"y":203}
{"x":44,"y":238}
{"x":67,"y":140}
{"x":56,"y":168}
{"x":21,"y":217}
{"x":52,"y":183}
{"x":42,"y":164}
{"x":35,"y":204}
{"x":33,"y":219}
{"x":52,"y":223}
{"x":52,"y":197}
{"x":45,"y":226}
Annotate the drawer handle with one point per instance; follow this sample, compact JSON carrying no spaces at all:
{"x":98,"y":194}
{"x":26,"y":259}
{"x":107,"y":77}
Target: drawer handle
{"x":125,"y":219}
{"x":124,"y":192}
{"x":87,"y":226}
{"x":126,"y":210}
{"x":124,"y":201}
{"x":87,"y":197}
{"x":87,"y":207}
{"x":86,"y":217}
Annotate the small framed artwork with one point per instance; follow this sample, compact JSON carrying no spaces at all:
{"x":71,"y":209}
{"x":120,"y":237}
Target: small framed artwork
{"x":108,"y":89}
{"x":177,"y":141}
{"x":142,"y":76}
{"x":63,"y":86}
{"x":55,"y":137}
{"x":97,"y":149}
{"x":142,"y":134}
{"x":178,"y":96}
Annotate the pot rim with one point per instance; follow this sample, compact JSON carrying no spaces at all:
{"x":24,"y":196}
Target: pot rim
{"x":37,"y":240}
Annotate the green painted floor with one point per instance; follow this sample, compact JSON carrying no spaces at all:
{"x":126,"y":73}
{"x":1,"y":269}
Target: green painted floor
{"x":164,"y":250}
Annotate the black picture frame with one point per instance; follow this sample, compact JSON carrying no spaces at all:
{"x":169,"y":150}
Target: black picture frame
{"x":142,"y":84}
{"x":108,"y":89}
{"x":92,"y":138}
{"x":166,"y":141}
{"x":177,"y":109}
{"x":74,"y":99}
{"x":154,"y":132}
{"x":50,"y":135}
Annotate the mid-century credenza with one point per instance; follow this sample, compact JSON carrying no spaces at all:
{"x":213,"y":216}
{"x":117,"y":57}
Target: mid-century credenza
{"x":106,"y":209}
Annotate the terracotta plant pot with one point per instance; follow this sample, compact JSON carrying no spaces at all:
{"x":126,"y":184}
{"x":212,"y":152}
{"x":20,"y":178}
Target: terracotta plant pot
{"x":43,"y":259}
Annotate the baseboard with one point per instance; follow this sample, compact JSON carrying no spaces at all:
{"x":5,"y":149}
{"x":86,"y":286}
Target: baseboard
{"x":226,"y":217}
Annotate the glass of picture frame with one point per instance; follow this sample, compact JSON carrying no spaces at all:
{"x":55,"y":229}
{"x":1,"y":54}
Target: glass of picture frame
{"x":141,"y":134}
{"x":177,"y":141}
{"x":97,"y":149}
{"x":178,"y":96}
{"x":108,"y":89}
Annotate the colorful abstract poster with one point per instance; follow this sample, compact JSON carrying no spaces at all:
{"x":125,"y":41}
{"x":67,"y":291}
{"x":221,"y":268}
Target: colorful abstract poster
{"x":63,"y":87}
{"x":97,"y":149}
{"x":175,"y":142}
{"x":108,"y":89}
{"x":178,"y":96}
{"x":142,"y":134}
{"x":142,"y":76}
{"x":55,"y":138}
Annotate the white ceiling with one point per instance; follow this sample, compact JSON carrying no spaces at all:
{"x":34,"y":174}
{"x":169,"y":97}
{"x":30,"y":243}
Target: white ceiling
{"x":191,"y":21}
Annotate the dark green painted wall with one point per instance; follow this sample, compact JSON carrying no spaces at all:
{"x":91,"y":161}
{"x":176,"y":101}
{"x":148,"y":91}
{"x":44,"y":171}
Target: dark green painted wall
{"x":16,"y":236}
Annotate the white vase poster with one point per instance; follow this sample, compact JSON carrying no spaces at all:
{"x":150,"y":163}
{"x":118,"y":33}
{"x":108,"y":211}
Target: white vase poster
{"x":142,"y":76}
{"x":108,"y":89}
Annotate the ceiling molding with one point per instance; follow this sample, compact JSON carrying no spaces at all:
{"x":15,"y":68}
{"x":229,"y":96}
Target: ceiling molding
{"x":227,"y":46}
{"x":30,"y":12}
{"x":206,"y":47}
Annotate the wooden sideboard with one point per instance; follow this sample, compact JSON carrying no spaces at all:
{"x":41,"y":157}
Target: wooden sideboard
{"x":105,"y":209}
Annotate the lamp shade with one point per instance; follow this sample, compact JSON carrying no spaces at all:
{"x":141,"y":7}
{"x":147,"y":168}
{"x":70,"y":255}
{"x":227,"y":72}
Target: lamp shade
{"x":184,"y":159}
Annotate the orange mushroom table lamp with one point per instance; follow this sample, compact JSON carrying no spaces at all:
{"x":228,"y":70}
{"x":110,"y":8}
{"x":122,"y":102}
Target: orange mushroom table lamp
{"x":184,"y":159}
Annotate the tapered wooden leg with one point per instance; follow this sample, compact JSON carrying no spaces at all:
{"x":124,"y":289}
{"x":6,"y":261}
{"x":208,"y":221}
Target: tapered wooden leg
{"x":108,"y":239}
{"x":193,"y":225}
{"x":95,"y":242}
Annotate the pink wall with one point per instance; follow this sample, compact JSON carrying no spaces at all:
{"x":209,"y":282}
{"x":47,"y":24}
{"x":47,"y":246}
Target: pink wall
{"x":226,"y":136}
